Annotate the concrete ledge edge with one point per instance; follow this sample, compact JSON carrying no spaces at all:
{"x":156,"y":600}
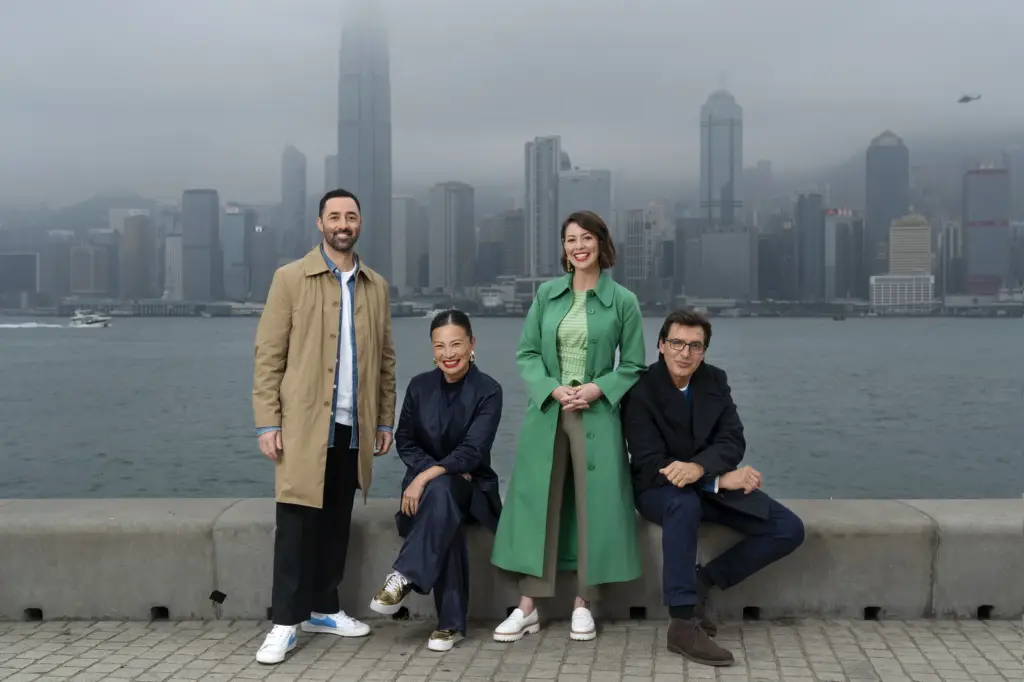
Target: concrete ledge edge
{"x":139,"y":559}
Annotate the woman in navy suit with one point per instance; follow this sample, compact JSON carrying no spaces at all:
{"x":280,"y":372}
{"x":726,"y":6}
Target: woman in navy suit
{"x":449,"y":419}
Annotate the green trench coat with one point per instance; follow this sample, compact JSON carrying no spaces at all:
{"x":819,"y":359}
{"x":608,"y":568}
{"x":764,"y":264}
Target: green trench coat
{"x":614,"y":323}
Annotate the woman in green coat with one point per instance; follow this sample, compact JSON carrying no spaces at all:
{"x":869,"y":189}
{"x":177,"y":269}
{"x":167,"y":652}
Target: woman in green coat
{"x":584,"y":522}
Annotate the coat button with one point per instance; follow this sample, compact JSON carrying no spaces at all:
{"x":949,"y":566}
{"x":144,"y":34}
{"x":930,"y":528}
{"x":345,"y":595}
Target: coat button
{"x":330,"y":370}
{"x":327,"y":403}
{"x":334,"y":303}
{"x":593,"y":339}
{"x":333,"y":335}
{"x":590,"y":311}
{"x":590,"y":434}
{"x":591,"y":467}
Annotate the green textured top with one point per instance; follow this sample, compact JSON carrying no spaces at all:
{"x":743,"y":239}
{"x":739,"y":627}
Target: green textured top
{"x":572,"y":340}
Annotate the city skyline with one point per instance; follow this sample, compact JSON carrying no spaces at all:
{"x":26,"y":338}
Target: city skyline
{"x":466,"y":118}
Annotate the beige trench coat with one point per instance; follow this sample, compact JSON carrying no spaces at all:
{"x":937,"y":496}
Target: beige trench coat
{"x":293,"y":379}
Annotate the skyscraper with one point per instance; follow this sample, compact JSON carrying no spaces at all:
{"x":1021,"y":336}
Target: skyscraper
{"x":298,"y":234}
{"x":544,"y":160}
{"x":987,"y":239}
{"x":137,"y":258}
{"x":721,"y":159}
{"x":364,"y":126}
{"x":810,"y":229}
{"x":202,"y":265}
{"x":886,"y":197}
{"x":452,"y":244}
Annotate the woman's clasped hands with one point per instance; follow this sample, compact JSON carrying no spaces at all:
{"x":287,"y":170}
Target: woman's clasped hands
{"x":575,"y":398}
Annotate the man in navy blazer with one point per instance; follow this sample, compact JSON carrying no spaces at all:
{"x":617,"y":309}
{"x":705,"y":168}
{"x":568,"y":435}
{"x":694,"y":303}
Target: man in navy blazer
{"x":686,"y":443}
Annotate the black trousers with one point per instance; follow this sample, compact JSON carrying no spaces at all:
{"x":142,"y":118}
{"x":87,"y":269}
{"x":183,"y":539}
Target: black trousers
{"x":434,"y":556}
{"x":679,"y":511}
{"x":310,"y":544}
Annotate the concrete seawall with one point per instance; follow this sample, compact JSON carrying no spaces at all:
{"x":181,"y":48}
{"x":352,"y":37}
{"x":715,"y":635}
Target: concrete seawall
{"x":139,"y":559}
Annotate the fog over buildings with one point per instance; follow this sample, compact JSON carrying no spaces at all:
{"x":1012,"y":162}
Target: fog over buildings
{"x":156,"y":97}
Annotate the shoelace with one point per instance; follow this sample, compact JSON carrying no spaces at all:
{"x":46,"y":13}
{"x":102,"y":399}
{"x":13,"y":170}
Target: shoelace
{"x":395,"y":583}
{"x":280,"y":634}
{"x":342,"y":618}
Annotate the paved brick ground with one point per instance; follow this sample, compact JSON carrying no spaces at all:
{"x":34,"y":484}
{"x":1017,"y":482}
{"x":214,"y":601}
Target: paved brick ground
{"x":805,"y":650}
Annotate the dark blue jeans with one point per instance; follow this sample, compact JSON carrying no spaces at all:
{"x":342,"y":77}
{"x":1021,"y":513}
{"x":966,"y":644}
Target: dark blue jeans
{"x":679,"y":512}
{"x":435,"y":557}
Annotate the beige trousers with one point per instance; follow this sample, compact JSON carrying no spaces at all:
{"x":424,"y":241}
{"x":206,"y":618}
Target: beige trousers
{"x":570,"y":445}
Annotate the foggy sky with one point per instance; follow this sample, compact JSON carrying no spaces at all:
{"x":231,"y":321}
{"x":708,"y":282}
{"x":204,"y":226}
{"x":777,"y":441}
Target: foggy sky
{"x":158,"y":95}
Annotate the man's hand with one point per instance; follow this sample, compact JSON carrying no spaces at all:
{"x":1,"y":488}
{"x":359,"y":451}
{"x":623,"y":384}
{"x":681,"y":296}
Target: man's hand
{"x":585,"y":395}
{"x":272,"y":444}
{"x":411,"y":496}
{"x":682,"y":474}
{"x":382,"y":443}
{"x":747,"y":479}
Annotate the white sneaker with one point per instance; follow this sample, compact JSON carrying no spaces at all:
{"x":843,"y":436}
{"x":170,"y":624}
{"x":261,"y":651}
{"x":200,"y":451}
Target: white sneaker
{"x":583,"y":628}
{"x":335,"y":624}
{"x":280,"y":640}
{"x":516,"y":625}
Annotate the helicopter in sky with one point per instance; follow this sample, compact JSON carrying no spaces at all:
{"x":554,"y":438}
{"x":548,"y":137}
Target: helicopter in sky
{"x":968,"y":98}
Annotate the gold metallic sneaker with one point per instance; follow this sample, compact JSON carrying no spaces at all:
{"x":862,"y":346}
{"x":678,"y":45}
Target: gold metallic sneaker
{"x":389,"y":599}
{"x":443,"y":640}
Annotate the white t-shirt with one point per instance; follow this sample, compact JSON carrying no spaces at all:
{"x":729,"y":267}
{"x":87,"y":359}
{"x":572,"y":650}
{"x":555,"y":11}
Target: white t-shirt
{"x":343,"y":389}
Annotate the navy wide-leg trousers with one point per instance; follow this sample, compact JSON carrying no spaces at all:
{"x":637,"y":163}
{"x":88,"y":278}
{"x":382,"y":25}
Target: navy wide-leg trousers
{"x":434,"y":556}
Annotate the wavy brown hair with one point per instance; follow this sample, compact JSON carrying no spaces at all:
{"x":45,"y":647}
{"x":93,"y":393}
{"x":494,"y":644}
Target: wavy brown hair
{"x":592,"y":223}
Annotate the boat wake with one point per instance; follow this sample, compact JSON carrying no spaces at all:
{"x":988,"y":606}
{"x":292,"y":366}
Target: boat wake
{"x":32,"y":325}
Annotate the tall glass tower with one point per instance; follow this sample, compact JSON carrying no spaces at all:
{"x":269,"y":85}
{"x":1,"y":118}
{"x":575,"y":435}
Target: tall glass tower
{"x":721,"y":159}
{"x":364,"y":126}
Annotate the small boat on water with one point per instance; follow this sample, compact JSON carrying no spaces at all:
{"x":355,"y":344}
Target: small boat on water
{"x":87,"y":318}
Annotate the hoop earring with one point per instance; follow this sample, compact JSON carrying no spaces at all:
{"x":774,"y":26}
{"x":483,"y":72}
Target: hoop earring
{"x":434,"y":361}
{"x":472,"y":356}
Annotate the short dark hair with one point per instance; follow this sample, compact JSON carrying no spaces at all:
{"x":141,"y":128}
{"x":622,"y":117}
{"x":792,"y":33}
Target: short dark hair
{"x":338,"y":194}
{"x":592,"y":223}
{"x":686,"y":318}
{"x":452,"y":316}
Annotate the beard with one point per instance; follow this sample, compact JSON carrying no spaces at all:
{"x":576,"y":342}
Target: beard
{"x":343,"y":240}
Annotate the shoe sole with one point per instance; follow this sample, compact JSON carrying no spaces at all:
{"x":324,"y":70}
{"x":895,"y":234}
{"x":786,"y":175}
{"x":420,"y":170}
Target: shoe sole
{"x":702,"y":661}
{"x":384,"y":609}
{"x":577,"y":636}
{"x":440,"y":646}
{"x":323,"y":630}
{"x":515,"y":637}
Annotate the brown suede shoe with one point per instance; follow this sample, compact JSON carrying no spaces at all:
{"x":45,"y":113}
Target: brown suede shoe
{"x":700,"y":610}
{"x":686,"y":637}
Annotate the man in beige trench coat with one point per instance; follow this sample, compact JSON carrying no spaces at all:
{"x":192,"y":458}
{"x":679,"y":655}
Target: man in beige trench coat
{"x":324,"y":401}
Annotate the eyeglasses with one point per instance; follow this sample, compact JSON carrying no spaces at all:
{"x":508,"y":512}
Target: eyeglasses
{"x":677,"y":345}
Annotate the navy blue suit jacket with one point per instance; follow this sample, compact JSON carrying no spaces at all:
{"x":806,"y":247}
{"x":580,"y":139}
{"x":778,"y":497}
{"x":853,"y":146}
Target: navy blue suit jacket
{"x":458,"y":438}
{"x":656,"y":438}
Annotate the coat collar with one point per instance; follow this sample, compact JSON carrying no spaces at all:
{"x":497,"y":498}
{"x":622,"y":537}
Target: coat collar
{"x":701,"y":383}
{"x":471,"y":376}
{"x":443,"y":416}
{"x":604,"y":289}
{"x":705,"y":399}
{"x":316,"y":263}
